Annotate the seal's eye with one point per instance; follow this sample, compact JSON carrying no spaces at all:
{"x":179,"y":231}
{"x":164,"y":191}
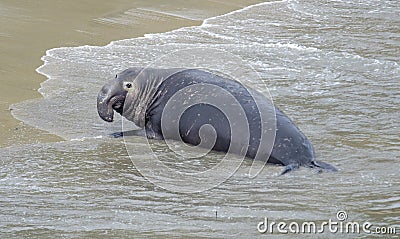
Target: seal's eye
{"x":128,"y":85}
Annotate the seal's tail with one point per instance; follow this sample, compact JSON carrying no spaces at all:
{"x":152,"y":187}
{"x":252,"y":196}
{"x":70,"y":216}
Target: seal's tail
{"x":323,"y":165}
{"x":314,"y":164}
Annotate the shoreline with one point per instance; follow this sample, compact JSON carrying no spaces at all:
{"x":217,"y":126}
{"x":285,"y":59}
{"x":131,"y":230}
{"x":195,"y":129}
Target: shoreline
{"x":23,"y":61}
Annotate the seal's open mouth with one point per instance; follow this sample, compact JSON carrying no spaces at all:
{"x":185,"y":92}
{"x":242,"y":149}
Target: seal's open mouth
{"x":106,"y":107}
{"x":117,"y":103}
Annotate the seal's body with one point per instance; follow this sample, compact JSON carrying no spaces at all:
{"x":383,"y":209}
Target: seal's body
{"x":141,"y":95}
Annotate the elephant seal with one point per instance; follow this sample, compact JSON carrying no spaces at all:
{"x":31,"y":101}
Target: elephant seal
{"x":141,"y":94}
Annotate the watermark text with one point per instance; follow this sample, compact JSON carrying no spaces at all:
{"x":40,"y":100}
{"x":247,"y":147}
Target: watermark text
{"x":338,"y":225}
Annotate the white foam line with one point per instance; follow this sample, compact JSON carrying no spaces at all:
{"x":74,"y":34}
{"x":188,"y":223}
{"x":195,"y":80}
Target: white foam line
{"x":241,"y":10}
{"x":205,"y":22}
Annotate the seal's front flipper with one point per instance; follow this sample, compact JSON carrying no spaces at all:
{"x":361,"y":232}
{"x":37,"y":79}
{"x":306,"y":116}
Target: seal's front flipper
{"x":289,"y":168}
{"x":151,"y":133}
{"x":117,"y":135}
{"x":128,"y":133}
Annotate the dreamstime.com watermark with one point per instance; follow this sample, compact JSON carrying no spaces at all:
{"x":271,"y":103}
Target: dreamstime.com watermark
{"x":339,"y":225}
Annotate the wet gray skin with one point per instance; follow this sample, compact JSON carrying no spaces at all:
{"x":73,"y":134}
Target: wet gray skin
{"x":106,"y":104}
{"x":291,"y":147}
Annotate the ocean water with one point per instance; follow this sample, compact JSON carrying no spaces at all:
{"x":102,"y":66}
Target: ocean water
{"x":331,"y":66}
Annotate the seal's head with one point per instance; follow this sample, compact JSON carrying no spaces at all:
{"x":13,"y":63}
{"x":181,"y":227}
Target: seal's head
{"x":113,"y":94}
{"x":130,"y":93}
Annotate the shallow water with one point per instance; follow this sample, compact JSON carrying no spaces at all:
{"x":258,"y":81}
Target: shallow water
{"x":331,"y":66}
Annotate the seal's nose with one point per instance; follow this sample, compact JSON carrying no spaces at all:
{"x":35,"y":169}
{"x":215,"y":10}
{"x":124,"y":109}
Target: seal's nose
{"x":104,"y":108}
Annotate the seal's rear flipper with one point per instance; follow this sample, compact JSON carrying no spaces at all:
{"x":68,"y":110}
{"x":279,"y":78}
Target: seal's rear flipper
{"x":289,"y":168}
{"x":325,"y":166}
{"x":314,"y":164}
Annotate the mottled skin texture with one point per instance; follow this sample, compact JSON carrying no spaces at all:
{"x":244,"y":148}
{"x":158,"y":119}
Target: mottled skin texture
{"x":291,"y":147}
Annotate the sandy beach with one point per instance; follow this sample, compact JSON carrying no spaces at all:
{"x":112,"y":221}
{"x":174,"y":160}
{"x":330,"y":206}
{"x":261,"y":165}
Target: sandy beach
{"x":30,"y":28}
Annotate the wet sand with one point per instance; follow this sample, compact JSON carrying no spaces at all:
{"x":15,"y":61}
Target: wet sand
{"x":29,"y":28}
